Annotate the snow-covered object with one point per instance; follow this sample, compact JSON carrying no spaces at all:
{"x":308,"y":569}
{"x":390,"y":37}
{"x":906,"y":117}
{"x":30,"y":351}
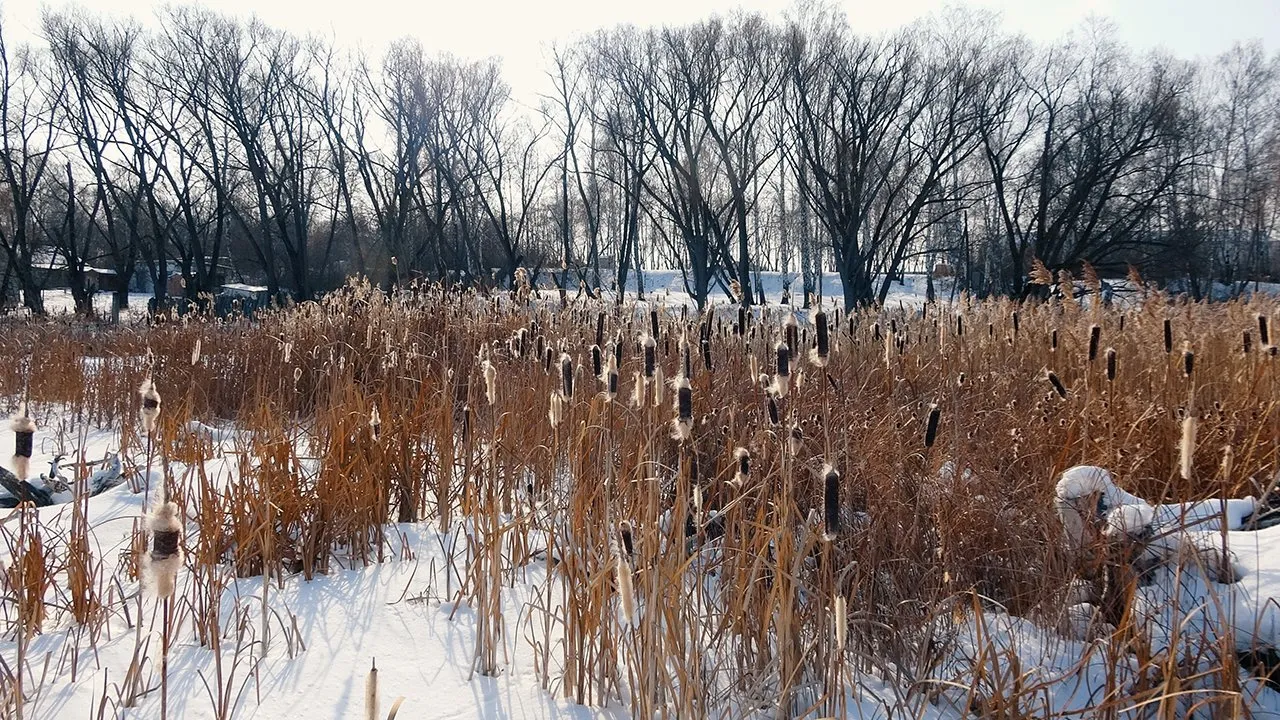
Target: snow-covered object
{"x":1130,"y":521}
{"x":1086,"y":496}
{"x":1083,"y":480}
{"x":108,"y":477}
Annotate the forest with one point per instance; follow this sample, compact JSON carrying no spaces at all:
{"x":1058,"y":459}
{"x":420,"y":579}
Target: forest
{"x":213,"y":149}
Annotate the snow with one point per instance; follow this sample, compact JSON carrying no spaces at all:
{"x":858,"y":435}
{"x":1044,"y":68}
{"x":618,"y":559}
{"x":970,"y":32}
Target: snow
{"x":396,"y":613}
{"x":1130,"y":520}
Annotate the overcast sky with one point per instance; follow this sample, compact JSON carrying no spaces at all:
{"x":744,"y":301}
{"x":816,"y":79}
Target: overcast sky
{"x":521,"y":30}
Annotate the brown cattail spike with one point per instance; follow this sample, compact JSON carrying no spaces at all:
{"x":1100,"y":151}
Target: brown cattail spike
{"x":682,"y":425}
{"x":782,"y":370}
{"x":1264,"y":336}
{"x":566,"y":376}
{"x":150,"y":410}
{"x":162,"y":563}
{"x":597,"y":362}
{"x":822,"y":334}
{"x":628,"y":542}
{"x":830,"y":503}
{"x":1095,"y":334}
{"x":1058,"y":387}
{"x":1111,"y":364}
{"x":1188,"y":360}
{"x":743,"y":456}
{"x":1168,"y":336}
{"x":931,"y":428}
{"x":795,"y":441}
{"x":24,"y":430}
{"x":650,"y":356}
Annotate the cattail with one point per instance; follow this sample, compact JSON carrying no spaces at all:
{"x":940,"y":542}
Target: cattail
{"x":686,"y":363}
{"x":150,"y":410}
{"x":1053,"y":340}
{"x":773,"y":411}
{"x":841,"y":621}
{"x":743,"y":456}
{"x":653,"y":324}
{"x":628,"y":542}
{"x":546,"y":360}
{"x":1188,"y":447}
{"x":556,"y":411}
{"x":288,"y":351}
{"x":1188,"y":360}
{"x":1095,"y":334}
{"x":741,"y":327}
{"x":375,"y":422}
{"x":706,"y":355}
{"x":830,"y":502}
{"x":658,"y":386}
{"x":195,"y":353}
{"x":371,"y":693}
{"x":617,"y":349}
{"x":1264,"y":337}
{"x":609,"y":377}
{"x":931,"y":427}
{"x":24,"y":431}
{"x":597,"y":366}
{"x":491,"y":381}
{"x":600,"y":329}
{"x":782,"y":370}
{"x":541,"y":344}
{"x":626,"y":593}
{"x":1246,"y":344}
{"x":875,"y":331}
{"x":682,"y":425}
{"x":638,"y":391}
{"x":959,"y":326}
{"x":1057,"y":384}
{"x":795,"y":440}
{"x":789,"y":331}
{"x":1228,"y":462}
{"x":1111,"y":364}
{"x":1015,"y":323}
{"x":650,"y":356}
{"x":1168,"y":336}
{"x":818,"y":355}
{"x":566,"y":376}
{"x":161,"y":565}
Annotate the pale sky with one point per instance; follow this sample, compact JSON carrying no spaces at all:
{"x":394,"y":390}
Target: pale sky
{"x":520,"y":31}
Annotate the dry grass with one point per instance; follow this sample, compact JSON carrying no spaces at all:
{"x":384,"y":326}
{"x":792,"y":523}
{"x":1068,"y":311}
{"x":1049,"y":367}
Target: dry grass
{"x":944,"y":428}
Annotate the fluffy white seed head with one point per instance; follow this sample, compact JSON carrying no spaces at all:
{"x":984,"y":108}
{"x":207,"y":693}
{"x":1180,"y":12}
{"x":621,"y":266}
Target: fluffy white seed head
{"x":150,"y":411}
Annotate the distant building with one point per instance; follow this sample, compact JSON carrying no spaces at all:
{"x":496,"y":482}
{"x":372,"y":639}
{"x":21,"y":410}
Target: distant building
{"x":52,"y":273}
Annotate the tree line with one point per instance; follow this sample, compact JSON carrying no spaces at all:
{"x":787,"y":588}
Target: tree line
{"x":213,"y":149}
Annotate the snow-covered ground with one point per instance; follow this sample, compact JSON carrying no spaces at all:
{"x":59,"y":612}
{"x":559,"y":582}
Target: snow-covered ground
{"x":321,"y":636}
